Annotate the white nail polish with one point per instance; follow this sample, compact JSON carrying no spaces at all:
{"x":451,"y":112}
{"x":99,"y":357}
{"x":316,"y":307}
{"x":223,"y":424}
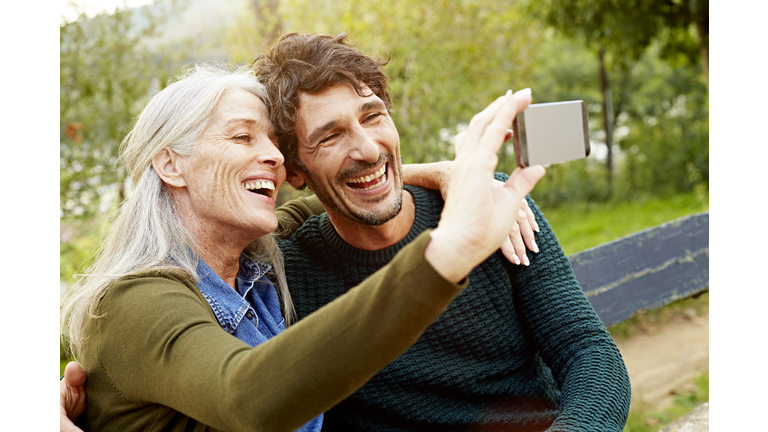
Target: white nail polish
{"x":525,"y":91}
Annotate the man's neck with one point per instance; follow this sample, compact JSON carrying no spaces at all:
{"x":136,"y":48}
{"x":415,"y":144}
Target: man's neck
{"x":369,"y":237}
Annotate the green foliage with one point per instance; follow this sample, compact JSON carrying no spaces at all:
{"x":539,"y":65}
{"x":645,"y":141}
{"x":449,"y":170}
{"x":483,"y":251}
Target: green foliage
{"x":667,"y":145}
{"x":661,"y":139}
{"x":449,"y":59}
{"x":628,"y":27}
{"x":107,"y":73}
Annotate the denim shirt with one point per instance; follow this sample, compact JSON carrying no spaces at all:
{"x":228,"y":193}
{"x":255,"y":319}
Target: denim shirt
{"x":252,"y":313}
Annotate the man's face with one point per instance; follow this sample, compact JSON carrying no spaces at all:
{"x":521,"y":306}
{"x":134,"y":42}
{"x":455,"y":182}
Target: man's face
{"x":351,"y":151}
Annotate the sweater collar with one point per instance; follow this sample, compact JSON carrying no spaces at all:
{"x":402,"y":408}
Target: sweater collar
{"x":421,"y":198}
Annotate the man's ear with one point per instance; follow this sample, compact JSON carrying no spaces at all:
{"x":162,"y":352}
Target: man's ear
{"x":166,"y":164}
{"x":294,"y":179}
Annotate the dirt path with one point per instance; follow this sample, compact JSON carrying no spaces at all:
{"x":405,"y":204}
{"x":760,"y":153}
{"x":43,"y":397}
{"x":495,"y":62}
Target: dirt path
{"x":666,"y":358}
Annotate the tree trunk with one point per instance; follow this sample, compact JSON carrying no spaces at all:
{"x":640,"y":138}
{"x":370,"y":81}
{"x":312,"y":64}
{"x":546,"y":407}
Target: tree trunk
{"x":702,"y":28}
{"x":607,"y":119}
{"x":269,"y":21}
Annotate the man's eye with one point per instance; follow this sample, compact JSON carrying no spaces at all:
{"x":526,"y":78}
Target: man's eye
{"x":328,"y":138}
{"x":372,"y":117}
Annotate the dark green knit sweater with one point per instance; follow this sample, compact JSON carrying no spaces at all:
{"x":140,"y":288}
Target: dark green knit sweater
{"x":520,"y":349}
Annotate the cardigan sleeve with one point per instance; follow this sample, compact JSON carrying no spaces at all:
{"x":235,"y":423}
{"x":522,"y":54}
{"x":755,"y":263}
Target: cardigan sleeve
{"x":160,"y":344}
{"x":570,"y":338}
{"x":292,"y":215}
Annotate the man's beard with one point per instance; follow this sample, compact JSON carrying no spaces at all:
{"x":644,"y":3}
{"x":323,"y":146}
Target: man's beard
{"x":354,"y":214}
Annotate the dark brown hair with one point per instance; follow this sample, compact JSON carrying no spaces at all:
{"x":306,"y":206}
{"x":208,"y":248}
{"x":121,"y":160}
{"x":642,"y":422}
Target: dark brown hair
{"x":299,"y":63}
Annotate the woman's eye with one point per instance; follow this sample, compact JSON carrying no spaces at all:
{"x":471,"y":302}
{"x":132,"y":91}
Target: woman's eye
{"x":243,"y":137}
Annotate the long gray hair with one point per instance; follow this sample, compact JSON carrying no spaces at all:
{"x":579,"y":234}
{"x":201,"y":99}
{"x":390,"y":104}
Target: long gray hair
{"x":147,"y":233}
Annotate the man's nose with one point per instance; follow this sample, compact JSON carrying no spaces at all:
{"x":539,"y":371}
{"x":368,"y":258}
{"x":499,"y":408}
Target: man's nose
{"x":364,"y":148}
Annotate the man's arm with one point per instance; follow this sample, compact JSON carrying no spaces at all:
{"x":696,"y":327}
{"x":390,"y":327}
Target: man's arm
{"x":571,"y":339}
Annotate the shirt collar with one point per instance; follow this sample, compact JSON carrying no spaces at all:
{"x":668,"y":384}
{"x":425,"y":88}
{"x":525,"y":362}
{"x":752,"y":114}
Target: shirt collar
{"x":228,"y":305}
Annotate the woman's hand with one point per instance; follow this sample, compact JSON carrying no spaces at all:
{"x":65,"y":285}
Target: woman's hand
{"x":437,"y":176}
{"x":479,"y":215}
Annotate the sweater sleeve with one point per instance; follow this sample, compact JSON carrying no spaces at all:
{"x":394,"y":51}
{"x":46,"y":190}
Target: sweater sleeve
{"x":571,"y":339}
{"x":161,"y":345}
{"x":292,"y":215}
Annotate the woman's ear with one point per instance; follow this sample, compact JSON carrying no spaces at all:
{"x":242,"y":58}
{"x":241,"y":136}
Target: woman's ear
{"x":166,"y":164}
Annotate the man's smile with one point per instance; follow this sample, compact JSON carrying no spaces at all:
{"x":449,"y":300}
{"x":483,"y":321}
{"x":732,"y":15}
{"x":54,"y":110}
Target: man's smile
{"x":371,"y":181}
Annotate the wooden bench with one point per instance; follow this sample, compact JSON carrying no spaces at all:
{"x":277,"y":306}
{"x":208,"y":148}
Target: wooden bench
{"x":645,"y":271}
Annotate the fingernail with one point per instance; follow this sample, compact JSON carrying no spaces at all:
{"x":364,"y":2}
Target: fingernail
{"x":525,"y":91}
{"x":525,"y":260}
{"x":516,"y":259}
{"x":535,"y":226}
{"x":535,"y":246}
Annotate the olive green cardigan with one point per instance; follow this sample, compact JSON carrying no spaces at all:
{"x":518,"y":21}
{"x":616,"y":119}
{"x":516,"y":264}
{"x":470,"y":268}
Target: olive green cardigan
{"x":157,"y":358}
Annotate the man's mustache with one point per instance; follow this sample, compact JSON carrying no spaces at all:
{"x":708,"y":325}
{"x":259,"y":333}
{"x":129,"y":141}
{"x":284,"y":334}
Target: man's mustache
{"x":361,"y":167}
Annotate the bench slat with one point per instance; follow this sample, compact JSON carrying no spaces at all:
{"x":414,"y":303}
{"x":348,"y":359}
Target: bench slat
{"x":645,"y":270}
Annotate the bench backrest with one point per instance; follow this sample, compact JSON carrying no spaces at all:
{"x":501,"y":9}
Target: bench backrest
{"x":645,"y":270}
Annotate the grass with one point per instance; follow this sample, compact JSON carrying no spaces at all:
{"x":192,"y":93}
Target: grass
{"x":647,"y":419}
{"x":582,"y":226}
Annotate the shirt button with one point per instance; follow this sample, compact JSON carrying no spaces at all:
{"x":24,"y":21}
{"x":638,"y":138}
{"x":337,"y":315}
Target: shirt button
{"x":249,"y":315}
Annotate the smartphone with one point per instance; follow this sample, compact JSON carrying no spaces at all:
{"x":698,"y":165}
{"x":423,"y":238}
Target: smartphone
{"x":550,"y":133}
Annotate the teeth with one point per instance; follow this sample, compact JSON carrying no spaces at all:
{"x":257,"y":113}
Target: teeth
{"x":377,"y":184}
{"x":368,"y":178}
{"x":253,"y":185}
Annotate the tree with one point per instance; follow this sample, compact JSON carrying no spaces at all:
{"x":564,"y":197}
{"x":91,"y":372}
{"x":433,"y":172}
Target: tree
{"x":107,"y":73}
{"x":449,"y":59}
{"x":620,"y":31}
{"x":631,"y":26}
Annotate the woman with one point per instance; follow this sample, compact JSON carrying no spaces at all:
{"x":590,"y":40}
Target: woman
{"x":190,"y":251}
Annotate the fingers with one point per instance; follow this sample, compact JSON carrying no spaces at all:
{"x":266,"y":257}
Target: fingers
{"x":523,"y":180}
{"x":458,"y":141}
{"x":517,"y":243}
{"x":66,"y":425}
{"x":496,"y":130}
{"x":509,"y":251}
{"x":491,"y":126}
{"x":529,"y":214}
{"x":526,"y":232}
{"x":508,"y":135}
{"x":478,"y":124}
{"x":74,"y":375}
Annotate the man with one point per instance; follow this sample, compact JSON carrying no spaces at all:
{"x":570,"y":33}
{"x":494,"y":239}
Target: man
{"x":520,"y":349}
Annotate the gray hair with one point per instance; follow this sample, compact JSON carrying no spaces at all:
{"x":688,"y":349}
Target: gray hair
{"x":147,"y":233}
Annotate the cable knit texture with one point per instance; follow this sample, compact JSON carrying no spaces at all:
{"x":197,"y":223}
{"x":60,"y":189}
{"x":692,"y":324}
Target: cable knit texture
{"x":520,"y":349}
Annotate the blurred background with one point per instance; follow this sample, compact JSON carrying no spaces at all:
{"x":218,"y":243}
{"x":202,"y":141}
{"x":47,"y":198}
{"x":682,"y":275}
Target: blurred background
{"x":641,"y":66}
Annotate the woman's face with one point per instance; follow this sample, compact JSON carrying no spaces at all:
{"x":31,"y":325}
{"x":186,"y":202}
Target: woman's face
{"x":234,"y":174}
